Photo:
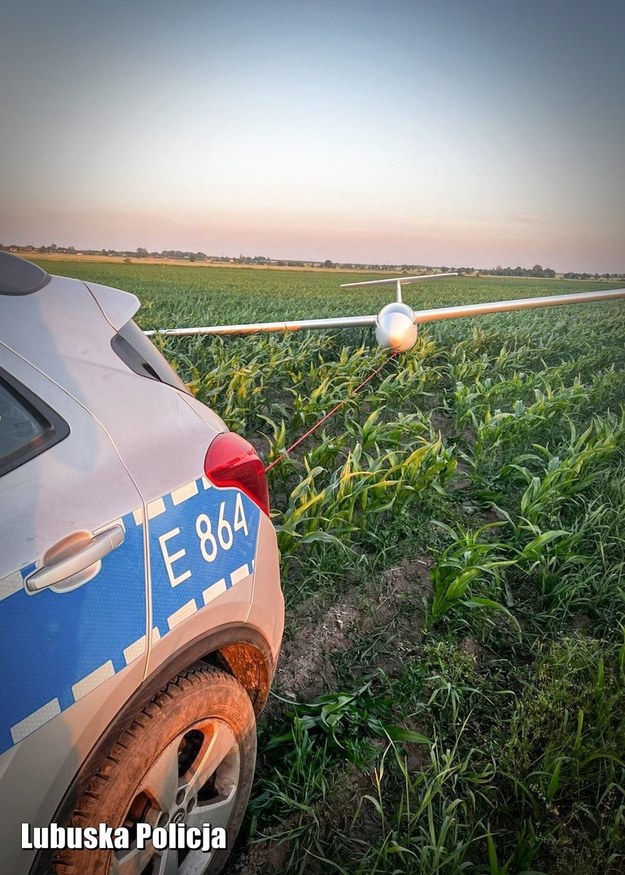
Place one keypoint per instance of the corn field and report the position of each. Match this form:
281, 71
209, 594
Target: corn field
451, 693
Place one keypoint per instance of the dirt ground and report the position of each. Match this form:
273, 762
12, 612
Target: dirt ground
319, 630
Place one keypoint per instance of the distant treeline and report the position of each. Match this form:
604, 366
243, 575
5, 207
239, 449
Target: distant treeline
593, 276
186, 255
546, 273
537, 271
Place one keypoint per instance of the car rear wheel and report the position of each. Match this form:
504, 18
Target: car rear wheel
187, 758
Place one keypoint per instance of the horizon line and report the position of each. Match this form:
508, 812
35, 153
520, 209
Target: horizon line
142, 253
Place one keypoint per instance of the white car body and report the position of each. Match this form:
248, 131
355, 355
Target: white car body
189, 569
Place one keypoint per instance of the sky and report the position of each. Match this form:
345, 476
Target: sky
441, 132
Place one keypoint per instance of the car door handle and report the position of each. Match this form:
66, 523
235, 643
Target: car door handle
101, 545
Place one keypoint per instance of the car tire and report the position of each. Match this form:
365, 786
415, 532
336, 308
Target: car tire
188, 757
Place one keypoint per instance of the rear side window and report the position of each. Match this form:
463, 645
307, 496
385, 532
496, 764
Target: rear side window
28, 426
142, 357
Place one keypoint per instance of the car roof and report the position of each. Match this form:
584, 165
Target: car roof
20, 277
60, 304
64, 325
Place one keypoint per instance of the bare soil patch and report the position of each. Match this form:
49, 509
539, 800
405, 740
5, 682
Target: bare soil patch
321, 630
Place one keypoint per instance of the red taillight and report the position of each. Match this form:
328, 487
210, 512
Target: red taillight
232, 461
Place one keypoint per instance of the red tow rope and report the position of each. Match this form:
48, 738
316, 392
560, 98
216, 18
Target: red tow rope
329, 414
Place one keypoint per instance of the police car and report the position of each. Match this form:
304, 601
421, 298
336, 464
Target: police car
140, 603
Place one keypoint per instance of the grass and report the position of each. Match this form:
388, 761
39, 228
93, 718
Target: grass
466, 516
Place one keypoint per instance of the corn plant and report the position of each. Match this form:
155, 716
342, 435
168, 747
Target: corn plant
468, 574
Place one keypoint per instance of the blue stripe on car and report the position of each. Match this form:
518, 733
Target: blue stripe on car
56, 647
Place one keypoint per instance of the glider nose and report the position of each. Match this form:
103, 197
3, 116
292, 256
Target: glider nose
395, 328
